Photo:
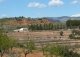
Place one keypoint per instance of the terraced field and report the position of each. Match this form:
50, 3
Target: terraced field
40, 35
44, 37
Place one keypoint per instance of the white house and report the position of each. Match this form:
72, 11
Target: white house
21, 30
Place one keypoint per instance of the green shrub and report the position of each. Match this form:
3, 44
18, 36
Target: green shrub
71, 36
61, 33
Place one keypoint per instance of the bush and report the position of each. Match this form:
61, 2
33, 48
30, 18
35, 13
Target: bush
61, 33
71, 36
76, 32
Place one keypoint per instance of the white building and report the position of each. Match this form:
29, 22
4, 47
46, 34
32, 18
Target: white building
21, 30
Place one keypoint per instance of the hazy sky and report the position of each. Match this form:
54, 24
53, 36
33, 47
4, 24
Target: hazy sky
39, 8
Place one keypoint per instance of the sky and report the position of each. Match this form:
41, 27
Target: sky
39, 8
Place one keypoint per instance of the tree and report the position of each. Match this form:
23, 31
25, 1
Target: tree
61, 33
25, 52
72, 23
13, 43
42, 47
30, 46
5, 43
24, 49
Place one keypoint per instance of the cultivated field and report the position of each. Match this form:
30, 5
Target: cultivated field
43, 36
40, 35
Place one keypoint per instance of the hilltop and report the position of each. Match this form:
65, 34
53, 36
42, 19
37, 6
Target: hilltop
10, 24
45, 20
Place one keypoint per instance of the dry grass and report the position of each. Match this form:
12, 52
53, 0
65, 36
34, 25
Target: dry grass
38, 35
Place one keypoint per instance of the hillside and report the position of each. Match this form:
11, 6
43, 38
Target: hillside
24, 21
44, 20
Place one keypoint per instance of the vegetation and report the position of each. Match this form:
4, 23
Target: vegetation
48, 49
31, 46
28, 47
71, 36
58, 50
50, 26
61, 33
5, 43
73, 23
74, 34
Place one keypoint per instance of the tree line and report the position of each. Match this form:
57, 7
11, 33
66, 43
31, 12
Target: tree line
73, 23
50, 26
